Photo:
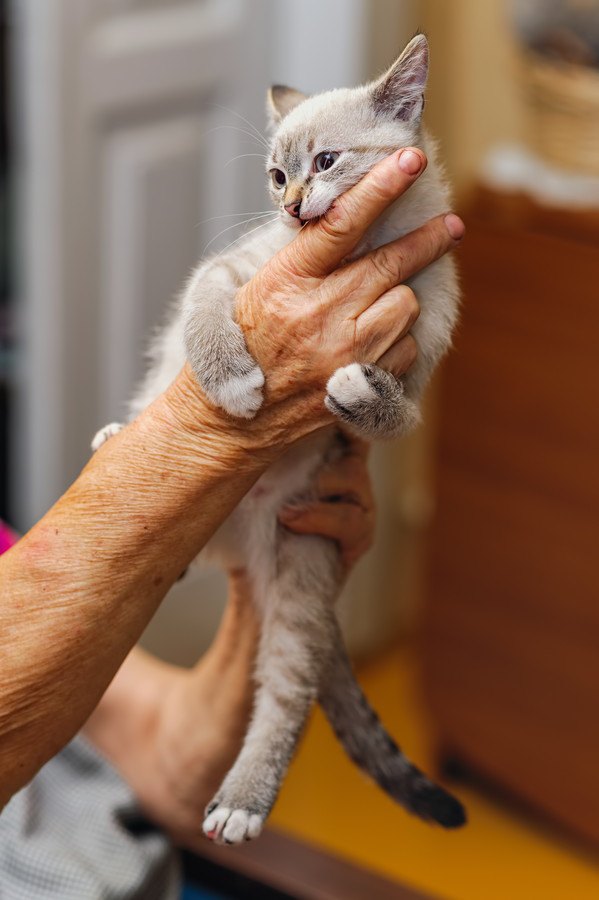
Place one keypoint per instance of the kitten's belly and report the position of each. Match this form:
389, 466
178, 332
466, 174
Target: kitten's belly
252, 525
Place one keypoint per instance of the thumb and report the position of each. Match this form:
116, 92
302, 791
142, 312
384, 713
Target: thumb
321, 246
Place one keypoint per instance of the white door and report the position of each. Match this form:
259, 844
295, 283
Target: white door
117, 99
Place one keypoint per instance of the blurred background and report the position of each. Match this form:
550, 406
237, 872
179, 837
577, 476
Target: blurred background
129, 144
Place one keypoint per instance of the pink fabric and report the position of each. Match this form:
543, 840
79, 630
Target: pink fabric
7, 538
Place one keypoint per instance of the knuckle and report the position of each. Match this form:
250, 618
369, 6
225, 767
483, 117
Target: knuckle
437, 239
287, 269
409, 301
337, 221
385, 264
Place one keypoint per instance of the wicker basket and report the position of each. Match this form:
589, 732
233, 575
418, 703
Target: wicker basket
564, 113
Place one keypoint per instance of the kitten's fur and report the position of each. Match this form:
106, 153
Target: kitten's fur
296, 579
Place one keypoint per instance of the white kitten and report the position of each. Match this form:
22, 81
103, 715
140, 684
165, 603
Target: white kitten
321, 146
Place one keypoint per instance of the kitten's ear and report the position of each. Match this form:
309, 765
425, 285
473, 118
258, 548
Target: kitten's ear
400, 92
280, 100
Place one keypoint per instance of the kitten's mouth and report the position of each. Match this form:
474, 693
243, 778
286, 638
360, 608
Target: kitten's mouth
298, 223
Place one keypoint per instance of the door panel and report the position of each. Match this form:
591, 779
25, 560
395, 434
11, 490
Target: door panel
154, 176
117, 101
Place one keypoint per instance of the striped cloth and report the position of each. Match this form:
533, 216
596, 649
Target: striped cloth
76, 833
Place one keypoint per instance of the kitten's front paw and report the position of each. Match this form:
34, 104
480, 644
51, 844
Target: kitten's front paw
227, 373
225, 825
371, 401
241, 395
349, 386
104, 433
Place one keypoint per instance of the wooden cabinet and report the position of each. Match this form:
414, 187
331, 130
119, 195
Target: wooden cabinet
511, 623
279, 867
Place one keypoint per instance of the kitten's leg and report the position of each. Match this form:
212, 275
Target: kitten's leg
215, 346
103, 434
369, 745
371, 401
296, 637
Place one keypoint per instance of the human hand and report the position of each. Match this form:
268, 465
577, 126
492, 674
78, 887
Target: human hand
344, 510
307, 313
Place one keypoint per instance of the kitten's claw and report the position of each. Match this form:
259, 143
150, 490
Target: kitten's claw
240, 396
231, 826
104, 433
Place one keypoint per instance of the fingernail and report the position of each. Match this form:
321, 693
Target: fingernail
410, 162
455, 226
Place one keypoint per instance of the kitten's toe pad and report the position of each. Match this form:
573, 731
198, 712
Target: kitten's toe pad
371, 401
350, 385
104, 433
240, 396
232, 826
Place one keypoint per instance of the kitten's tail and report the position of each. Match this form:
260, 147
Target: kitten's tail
368, 744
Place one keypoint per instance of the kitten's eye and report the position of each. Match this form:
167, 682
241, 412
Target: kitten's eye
279, 179
325, 160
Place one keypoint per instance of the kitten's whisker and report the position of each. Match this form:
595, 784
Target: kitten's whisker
233, 215
244, 156
234, 225
247, 122
237, 225
241, 130
246, 234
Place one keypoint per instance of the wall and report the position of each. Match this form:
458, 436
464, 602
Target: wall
473, 98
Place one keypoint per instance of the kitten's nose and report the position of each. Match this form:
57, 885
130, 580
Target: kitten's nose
294, 208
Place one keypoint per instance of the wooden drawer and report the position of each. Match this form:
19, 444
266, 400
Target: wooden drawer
511, 622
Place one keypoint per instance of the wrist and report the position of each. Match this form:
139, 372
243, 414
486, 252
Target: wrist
192, 427
249, 445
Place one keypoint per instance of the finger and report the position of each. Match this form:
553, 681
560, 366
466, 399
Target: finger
323, 245
346, 480
386, 322
400, 357
366, 279
345, 523
356, 446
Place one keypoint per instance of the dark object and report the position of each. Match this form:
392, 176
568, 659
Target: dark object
6, 312
511, 624
277, 867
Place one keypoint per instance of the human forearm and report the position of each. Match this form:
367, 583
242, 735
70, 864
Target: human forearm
83, 583
172, 733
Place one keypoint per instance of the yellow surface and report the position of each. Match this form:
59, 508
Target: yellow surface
500, 855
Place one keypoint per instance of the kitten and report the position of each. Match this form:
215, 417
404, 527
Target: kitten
321, 146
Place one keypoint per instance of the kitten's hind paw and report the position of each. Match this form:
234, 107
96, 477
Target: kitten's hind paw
231, 826
104, 433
